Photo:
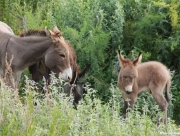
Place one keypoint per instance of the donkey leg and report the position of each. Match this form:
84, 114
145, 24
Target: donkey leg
161, 101
129, 101
17, 79
125, 108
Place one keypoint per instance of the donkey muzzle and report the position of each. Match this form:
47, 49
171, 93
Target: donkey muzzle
66, 74
128, 89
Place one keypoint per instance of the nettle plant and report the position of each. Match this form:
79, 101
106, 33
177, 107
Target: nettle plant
53, 114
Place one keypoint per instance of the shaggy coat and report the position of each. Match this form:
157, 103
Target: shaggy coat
152, 77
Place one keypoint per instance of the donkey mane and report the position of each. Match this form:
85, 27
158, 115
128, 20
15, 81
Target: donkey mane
32, 32
73, 60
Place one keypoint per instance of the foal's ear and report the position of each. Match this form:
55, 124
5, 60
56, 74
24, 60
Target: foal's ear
56, 31
51, 34
138, 59
122, 60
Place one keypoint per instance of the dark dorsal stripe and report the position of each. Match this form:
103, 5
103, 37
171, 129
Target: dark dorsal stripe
32, 32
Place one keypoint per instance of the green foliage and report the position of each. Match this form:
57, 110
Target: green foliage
176, 98
96, 28
54, 115
11, 13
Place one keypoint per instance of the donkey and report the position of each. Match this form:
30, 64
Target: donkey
76, 88
45, 44
135, 78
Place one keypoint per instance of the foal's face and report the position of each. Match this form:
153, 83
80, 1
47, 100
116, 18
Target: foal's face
127, 77
57, 57
128, 73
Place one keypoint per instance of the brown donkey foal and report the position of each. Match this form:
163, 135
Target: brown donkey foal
151, 76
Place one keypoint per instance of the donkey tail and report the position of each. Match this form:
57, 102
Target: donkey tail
167, 93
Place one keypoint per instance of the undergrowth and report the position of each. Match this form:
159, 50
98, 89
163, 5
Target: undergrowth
53, 115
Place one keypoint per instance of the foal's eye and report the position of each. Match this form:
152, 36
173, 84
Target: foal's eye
62, 55
125, 77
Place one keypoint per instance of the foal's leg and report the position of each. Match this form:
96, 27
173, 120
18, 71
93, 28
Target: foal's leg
129, 101
161, 101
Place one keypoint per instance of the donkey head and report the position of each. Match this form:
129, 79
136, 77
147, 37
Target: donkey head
57, 57
128, 73
77, 88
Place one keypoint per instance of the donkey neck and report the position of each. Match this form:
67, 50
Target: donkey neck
28, 50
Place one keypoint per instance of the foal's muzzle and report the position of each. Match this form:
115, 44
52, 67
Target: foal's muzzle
128, 89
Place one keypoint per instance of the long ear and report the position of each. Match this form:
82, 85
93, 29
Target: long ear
82, 74
138, 59
122, 60
52, 35
56, 31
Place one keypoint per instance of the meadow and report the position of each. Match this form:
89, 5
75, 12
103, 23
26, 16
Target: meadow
34, 114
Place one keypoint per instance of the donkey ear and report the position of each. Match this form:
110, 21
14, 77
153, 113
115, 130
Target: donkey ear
138, 59
51, 34
48, 33
56, 31
122, 60
84, 71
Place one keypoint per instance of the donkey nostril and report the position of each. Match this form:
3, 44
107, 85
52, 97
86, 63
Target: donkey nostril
69, 78
128, 92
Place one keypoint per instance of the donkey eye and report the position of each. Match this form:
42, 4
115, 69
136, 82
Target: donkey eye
62, 55
125, 77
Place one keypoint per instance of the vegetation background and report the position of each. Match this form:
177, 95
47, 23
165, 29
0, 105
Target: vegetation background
96, 28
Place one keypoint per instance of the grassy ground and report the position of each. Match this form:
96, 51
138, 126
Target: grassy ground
54, 115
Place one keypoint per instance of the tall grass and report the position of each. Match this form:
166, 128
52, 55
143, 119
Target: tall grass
53, 115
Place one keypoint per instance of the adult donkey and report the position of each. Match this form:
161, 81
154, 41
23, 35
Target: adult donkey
135, 78
44, 44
